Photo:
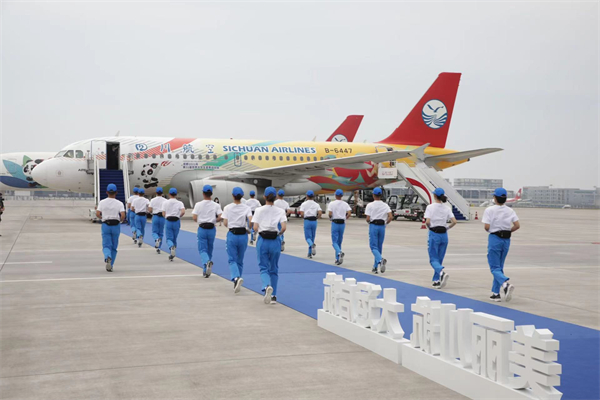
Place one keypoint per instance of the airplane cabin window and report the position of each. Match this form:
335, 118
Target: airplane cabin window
294, 158
252, 157
176, 155
267, 158
69, 154
260, 157
288, 158
280, 158
185, 156
162, 156
192, 156
245, 157
207, 157
137, 155
314, 158
153, 155
301, 158
169, 156
145, 155
214, 156
78, 154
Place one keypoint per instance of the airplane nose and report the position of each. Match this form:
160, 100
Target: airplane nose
40, 173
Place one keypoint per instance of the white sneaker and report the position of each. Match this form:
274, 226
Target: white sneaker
313, 250
443, 279
108, 264
341, 258
140, 241
268, 293
506, 292
208, 269
382, 265
173, 251
237, 284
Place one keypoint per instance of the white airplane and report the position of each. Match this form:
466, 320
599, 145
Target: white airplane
16, 169
297, 166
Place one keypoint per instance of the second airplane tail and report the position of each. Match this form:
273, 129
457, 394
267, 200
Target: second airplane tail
347, 129
429, 120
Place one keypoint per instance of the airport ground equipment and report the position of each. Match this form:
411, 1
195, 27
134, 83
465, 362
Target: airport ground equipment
410, 206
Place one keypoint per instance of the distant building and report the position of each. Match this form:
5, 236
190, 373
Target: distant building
473, 183
476, 197
547, 196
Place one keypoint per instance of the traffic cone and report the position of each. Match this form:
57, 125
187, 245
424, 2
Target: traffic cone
476, 217
423, 226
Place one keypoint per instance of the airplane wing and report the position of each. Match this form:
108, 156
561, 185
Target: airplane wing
290, 172
458, 156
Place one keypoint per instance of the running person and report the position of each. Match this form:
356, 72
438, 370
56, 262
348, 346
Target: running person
140, 208
339, 212
253, 204
112, 212
158, 221
378, 216
285, 206
173, 211
266, 220
500, 221
131, 214
311, 212
207, 213
437, 216
236, 217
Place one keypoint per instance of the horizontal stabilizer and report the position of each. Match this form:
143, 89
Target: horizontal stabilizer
458, 156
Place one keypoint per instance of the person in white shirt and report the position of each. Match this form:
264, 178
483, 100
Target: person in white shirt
236, 217
207, 213
500, 221
437, 215
266, 221
378, 216
140, 208
131, 214
253, 204
311, 212
112, 212
285, 206
158, 221
173, 211
339, 212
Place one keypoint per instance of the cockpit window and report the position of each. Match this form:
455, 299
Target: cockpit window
69, 154
78, 154
60, 154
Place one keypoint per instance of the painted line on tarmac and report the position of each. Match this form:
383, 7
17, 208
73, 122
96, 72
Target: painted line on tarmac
28, 262
95, 278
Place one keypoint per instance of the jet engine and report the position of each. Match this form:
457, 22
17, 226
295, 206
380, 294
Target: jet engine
221, 190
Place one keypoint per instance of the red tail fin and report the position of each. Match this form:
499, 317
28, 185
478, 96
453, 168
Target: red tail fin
347, 130
518, 196
429, 121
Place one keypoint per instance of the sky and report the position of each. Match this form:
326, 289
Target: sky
290, 71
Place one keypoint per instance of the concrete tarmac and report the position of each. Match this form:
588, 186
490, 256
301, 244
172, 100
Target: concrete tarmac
158, 330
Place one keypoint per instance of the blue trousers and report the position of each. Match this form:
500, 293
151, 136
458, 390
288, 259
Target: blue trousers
376, 237
282, 236
268, 252
110, 241
206, 241
310, 232
140, 224
436, 246
337, 236
131, 219
158, 227
171, 232
497, 252
236, 248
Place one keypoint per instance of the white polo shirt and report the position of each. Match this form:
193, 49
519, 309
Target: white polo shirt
236, 215
172, 208
439, 214
207, 211
310, 208
130, 199
500, 218
157, 204
140, 204
253, 204
268, 218
110, 209
338, 209
377, 210
280, 203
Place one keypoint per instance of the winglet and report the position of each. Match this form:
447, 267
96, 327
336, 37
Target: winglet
347, 130
419, 152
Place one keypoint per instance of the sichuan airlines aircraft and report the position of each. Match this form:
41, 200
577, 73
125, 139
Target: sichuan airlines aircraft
297, 166
16, 170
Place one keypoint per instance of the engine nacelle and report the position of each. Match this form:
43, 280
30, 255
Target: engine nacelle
221, 190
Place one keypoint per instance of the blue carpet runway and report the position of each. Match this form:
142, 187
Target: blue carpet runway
301, 288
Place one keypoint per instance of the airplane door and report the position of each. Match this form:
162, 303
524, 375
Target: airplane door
98, 150
113, 155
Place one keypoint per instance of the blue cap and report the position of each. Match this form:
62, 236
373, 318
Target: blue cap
111, 187
173, 191
252, 193
377, 191
237, 191
135, 189
310, 193
270, 190
207, 189
281, 192
141, 191
500, 192
439, 192
159, 190
339, 192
